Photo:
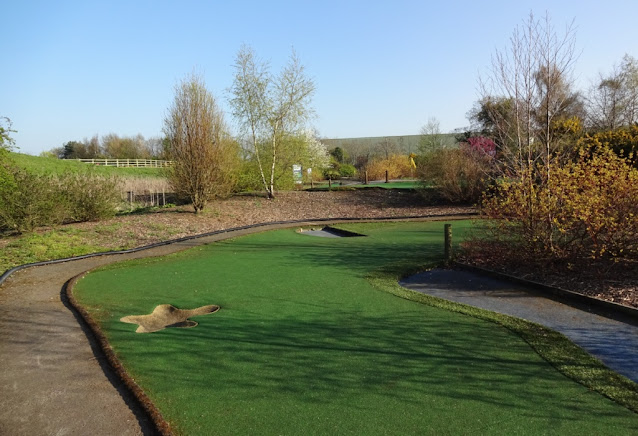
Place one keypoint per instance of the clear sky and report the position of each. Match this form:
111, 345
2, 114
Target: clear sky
73, 69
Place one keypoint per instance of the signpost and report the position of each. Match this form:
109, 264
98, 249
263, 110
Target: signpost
297, 175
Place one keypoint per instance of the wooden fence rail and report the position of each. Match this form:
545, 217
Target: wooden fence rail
138, 163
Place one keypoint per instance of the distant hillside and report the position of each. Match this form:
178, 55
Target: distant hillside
51, 165
379, 145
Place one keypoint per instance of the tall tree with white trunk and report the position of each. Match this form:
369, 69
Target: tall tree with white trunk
269, 108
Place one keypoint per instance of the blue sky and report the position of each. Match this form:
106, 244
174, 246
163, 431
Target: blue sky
73, 69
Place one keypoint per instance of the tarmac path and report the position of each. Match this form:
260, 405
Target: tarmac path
613, 342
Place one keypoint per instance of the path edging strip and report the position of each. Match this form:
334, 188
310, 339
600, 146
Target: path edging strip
161, 426
601, 307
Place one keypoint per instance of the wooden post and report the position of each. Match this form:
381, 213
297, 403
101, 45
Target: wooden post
448, 243
386, 176
329, 183
366, 177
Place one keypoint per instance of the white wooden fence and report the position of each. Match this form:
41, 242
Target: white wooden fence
138, 163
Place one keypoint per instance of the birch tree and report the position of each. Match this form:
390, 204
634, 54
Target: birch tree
534, 76
269, 108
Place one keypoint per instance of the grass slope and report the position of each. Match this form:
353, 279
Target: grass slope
47, 165
308, 342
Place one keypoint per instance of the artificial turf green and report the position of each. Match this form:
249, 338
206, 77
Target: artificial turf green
306, 343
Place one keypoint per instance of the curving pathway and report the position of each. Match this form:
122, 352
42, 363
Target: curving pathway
613, 342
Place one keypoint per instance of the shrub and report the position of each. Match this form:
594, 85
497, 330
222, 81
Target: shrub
89, 197
457, 175
347, 170
623, 141
28, 200
398, 167
587, 209
481, 144
331, 173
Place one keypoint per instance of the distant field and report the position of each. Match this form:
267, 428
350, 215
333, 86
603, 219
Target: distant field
45, 165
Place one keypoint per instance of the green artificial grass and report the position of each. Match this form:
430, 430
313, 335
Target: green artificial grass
336, 185
311, 340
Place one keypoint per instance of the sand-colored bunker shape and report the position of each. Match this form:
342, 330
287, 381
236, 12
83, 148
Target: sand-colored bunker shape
167, 315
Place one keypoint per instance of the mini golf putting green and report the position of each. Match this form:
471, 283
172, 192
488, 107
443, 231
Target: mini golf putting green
310, 340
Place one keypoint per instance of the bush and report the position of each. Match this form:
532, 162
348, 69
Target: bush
331, 173
28, 200
457, 175
89, 197
623, 141
347, 170
587, 209
398, 167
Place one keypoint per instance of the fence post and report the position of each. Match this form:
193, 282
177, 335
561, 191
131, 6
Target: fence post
448, 243
386, 176
366, 177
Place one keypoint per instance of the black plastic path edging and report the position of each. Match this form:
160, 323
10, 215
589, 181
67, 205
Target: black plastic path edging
604, 308
8, 272
155, 418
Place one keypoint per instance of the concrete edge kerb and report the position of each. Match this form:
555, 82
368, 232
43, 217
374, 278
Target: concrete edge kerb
8, 272
596, 305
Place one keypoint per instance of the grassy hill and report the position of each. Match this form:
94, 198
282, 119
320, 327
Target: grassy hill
48, 165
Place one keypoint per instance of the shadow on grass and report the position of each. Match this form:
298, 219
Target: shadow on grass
321, 349
362, 362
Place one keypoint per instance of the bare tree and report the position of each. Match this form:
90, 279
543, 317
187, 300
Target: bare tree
431, 138
613, 101
197, 140
533, 77
124, 147
386, 147
154, 146
269, 108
